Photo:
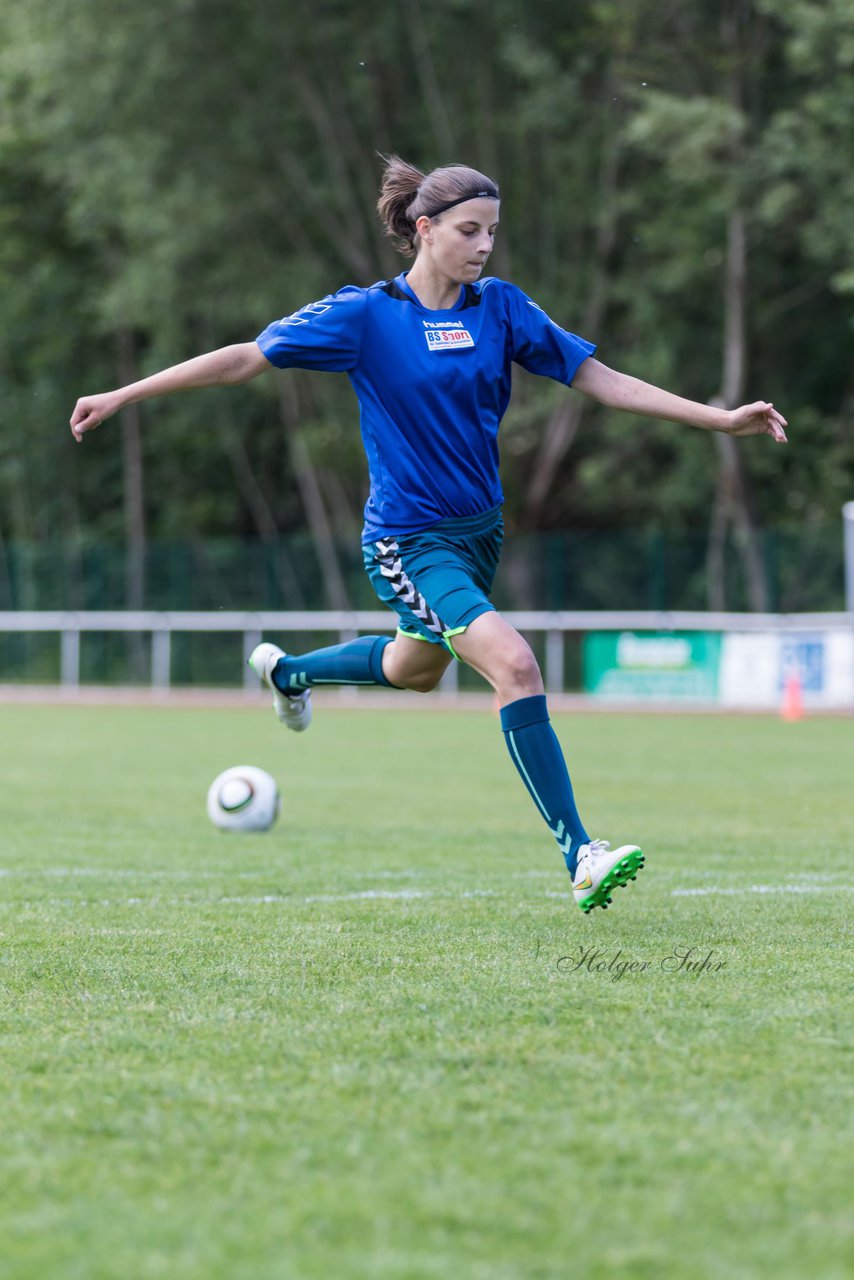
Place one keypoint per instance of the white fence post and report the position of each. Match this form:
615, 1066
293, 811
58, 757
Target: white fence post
251, 640
450, 681
161, 659
848, 527
348, 631
69, 660
554, 661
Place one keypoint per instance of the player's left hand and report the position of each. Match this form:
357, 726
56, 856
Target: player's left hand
759, 419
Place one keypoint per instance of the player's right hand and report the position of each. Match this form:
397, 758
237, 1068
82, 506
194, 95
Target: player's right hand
91, 411
759, 418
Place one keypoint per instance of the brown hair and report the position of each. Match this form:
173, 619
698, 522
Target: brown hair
406, 194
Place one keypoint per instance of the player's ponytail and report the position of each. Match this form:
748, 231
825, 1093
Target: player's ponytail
406, 194
398, 192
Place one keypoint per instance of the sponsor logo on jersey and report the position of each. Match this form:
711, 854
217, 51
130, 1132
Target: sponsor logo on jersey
448, 339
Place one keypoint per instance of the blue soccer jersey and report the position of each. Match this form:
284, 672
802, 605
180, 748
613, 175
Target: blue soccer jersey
432, 387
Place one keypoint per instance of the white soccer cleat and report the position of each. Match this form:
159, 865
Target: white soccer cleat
294, 710
602, 869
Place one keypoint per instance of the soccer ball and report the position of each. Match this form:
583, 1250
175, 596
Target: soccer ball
244, 798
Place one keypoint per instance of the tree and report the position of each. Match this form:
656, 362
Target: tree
663, 167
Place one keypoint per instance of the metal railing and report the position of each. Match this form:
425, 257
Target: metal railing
555, 626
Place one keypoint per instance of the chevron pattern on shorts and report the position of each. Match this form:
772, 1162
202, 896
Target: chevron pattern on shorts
387, 556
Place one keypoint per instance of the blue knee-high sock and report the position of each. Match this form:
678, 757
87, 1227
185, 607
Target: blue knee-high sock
355, 662
537, 755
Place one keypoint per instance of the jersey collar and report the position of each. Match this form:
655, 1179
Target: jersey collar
469, 297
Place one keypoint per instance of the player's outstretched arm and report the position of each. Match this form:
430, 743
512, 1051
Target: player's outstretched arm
620, 391
225, 367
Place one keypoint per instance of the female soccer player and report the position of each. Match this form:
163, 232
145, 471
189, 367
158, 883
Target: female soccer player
429, 355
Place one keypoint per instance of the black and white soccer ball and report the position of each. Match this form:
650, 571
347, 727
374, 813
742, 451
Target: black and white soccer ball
244, 798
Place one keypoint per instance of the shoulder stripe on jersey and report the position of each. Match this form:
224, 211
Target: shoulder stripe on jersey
394, 291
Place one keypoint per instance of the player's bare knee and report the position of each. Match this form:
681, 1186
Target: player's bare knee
423, 682
520, 671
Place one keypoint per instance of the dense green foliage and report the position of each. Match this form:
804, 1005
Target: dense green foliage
344, 1050
174, 175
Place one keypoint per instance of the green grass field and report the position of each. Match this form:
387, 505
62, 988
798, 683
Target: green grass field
362, 1046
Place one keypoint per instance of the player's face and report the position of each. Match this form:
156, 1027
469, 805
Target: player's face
461, 240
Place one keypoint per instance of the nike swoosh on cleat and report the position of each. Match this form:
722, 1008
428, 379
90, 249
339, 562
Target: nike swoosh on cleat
583, 884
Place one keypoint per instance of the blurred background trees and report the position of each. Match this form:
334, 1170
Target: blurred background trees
677, 183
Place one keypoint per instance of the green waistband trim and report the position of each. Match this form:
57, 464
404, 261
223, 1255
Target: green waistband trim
447, 636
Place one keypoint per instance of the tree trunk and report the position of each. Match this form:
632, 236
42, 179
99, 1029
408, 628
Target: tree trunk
253, 495
134, 501
334, 137
435, 102
6, 601
732, 505
563, 424
312, 498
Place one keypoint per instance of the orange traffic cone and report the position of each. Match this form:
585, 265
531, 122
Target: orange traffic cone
792, 706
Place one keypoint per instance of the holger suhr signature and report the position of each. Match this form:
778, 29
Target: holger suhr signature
683, 960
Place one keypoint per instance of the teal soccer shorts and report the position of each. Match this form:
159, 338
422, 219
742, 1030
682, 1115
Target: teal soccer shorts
438, 581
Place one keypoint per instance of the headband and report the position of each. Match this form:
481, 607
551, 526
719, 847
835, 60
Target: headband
471, 195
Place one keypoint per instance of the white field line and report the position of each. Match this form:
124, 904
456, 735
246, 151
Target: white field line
819, 884
402, 895
722, 891
394, 894
126, 873
171, 873
396, 873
